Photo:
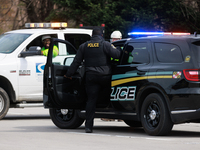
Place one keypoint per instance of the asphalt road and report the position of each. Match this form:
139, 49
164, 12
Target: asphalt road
32, 129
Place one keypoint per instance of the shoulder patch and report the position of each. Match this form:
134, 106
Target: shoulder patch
113, 46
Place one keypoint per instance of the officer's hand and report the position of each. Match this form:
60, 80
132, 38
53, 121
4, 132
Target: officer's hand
68, 77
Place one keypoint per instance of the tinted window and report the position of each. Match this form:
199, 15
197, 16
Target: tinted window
77, 39
168, 53
136, 53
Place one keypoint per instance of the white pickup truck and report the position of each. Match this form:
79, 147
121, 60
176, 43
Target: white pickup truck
22, 65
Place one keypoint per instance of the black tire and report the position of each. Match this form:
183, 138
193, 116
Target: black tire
132, 123
4, 103
155, 116
66, 120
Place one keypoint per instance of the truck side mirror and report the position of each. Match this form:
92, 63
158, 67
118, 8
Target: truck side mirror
33, 50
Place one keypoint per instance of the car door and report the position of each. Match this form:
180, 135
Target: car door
131, 74
30, 77
61, 92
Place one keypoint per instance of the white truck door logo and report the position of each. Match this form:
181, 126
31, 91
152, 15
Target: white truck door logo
40, 67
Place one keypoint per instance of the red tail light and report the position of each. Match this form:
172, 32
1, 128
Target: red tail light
191, 74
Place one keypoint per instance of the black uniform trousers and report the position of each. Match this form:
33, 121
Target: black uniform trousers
94, 84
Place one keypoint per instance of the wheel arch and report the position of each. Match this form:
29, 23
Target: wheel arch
7, 86
145, 91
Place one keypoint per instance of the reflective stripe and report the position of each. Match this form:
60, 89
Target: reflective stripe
114, 59
122, 81
120, 76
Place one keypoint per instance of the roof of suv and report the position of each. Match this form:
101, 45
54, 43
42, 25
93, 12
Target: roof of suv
165, 37
171, 37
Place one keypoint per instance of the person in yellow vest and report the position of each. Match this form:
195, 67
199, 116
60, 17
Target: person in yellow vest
46, 39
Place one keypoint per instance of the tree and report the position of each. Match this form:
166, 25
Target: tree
128, 15
37, 10
6, 12
15, 13
190, 10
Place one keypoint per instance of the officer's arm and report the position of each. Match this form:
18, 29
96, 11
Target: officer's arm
112, 51
76, 62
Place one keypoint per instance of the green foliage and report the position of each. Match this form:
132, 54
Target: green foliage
128, 15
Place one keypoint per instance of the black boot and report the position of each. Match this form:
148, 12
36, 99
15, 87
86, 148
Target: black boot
88, 130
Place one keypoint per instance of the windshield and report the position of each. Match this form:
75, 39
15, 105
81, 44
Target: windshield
9, 42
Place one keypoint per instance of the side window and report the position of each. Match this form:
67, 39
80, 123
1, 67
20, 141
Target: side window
168, 53
77, 39
38, 41
136, 53
64, 50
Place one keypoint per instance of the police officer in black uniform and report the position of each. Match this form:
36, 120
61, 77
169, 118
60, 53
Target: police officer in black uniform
97, 55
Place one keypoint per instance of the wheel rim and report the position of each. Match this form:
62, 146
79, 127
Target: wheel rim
64, 114
153, 115
1, 103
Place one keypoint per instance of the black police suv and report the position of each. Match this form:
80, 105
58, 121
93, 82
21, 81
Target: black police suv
155, 85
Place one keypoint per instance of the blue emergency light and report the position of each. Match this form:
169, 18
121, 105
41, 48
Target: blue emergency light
156, 33
146, 33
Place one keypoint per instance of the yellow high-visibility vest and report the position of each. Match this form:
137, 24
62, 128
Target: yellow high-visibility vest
45, 51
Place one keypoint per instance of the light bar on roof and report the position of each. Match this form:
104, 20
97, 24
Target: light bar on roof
146, 33
176, 33
55, 25
46, 25
157, 33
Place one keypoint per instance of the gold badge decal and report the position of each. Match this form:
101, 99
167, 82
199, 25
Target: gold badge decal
187, 58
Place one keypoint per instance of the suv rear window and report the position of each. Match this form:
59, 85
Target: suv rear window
168, 53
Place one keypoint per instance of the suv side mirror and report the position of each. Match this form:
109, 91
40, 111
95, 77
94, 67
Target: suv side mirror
33, 50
